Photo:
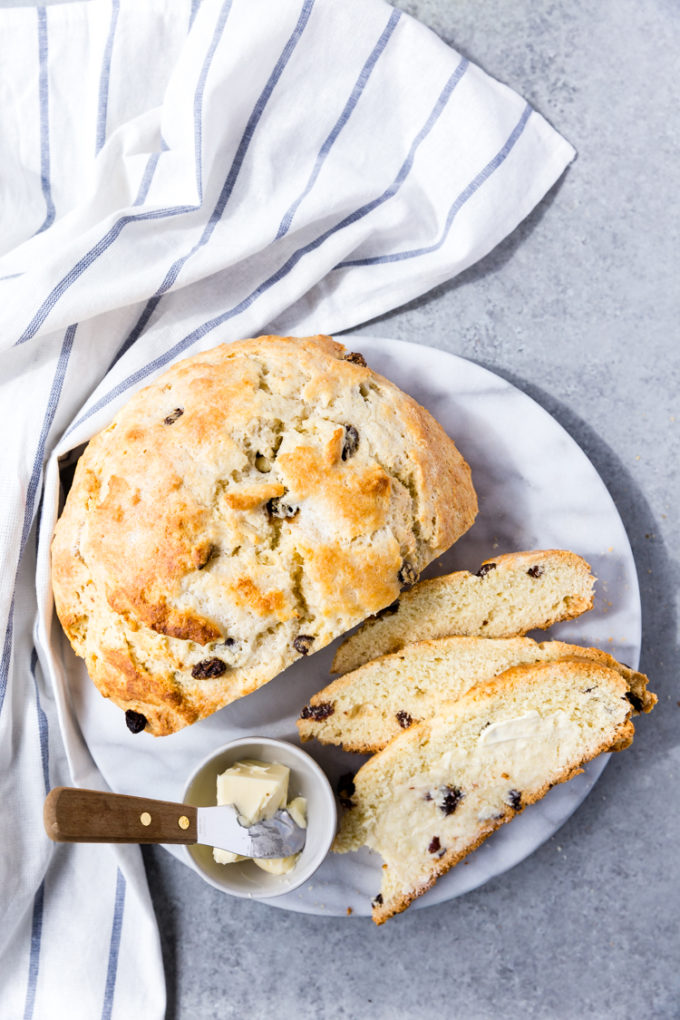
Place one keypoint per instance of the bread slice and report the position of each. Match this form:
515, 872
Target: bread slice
438, 790
363, 710
508, 596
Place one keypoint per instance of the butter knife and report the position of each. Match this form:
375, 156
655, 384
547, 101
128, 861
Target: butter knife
72, 815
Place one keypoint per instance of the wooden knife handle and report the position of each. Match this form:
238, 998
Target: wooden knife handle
92, 816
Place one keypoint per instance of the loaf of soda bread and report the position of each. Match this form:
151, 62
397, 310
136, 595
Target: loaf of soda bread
442, 787
365, 709
253, 503
508, 596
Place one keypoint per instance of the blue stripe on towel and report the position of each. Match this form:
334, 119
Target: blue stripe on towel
86, 261
114, 947
137, 329
217, 213
356, 93
195, 4
109, 238
43, 98
198, 96
147, 176
32, 490
34, 956
48, 418
183, 345
42, 726
103, 103
7, 648
38, 901
460, 201
243, 146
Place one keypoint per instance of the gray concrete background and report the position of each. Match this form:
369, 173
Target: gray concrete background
579, 308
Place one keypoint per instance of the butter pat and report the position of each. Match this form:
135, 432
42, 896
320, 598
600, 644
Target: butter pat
297, 809
526, 729
258, 790
522, 727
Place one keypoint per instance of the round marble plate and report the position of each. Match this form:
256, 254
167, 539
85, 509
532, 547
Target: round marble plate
536, 489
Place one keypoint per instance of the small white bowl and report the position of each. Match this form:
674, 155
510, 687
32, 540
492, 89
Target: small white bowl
307, 780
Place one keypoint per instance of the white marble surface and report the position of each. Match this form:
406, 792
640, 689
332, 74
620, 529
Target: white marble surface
537, 490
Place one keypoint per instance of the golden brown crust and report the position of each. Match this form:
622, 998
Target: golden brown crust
382, 913
490, 603
339, 728
587, 697
259, 491
622, 739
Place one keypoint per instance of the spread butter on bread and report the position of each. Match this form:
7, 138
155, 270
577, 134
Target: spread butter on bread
365, 709
441, 788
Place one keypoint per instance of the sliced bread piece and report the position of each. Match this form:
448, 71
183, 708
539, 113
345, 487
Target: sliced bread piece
365, 709
438, 790
508, 596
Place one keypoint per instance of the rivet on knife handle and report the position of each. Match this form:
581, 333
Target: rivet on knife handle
94, 816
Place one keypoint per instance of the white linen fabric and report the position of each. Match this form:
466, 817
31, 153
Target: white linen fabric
174, 175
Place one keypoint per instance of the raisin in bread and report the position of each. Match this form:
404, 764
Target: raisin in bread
365, 709
253, 503
438, 790
508, 596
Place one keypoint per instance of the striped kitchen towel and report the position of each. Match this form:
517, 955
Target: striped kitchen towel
174, 175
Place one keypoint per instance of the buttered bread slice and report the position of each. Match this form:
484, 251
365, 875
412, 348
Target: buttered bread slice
438, 790
508, 596
365, 709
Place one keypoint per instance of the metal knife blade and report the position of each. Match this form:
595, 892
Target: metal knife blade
278, 836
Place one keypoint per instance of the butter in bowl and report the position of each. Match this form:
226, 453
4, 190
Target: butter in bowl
257, 790
257, 819
261, 776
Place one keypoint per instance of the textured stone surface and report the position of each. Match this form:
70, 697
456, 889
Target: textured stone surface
580, 309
